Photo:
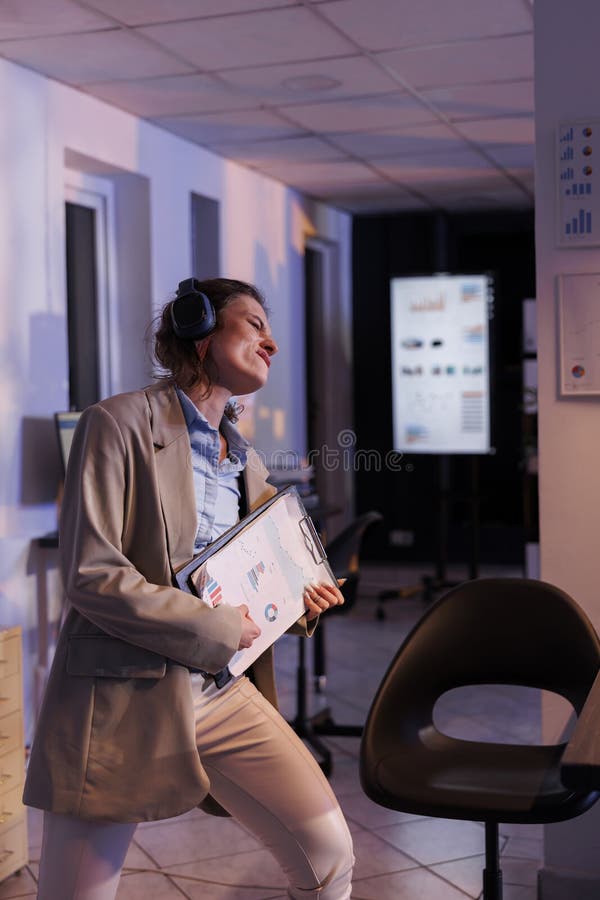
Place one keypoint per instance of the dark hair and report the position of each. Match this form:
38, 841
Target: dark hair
177, 358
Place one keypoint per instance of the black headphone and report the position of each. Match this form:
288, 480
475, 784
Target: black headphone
192, 314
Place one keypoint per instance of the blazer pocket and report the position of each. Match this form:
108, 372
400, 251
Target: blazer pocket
102, 656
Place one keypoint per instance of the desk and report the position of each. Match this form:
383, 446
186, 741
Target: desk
46, 548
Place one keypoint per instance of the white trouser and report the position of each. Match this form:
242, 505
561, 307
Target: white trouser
261, 772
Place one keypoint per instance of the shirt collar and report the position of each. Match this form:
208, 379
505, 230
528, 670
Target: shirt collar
238, 445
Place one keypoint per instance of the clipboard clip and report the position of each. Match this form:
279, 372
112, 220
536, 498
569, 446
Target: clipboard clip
312, 541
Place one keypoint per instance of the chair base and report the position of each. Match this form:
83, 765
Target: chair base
492, 874
323, 723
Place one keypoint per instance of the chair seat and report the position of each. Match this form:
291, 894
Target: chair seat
450, 778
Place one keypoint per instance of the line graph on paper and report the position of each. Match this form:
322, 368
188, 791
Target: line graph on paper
579, 317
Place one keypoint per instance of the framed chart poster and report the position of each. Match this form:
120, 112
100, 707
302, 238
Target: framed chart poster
579, 334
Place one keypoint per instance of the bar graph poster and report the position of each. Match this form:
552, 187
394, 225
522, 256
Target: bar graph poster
578, 145
440, 328
579, 320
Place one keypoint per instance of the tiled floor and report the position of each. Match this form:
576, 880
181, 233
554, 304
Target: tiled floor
399, 856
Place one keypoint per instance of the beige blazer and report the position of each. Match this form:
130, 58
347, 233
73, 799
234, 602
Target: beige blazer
115, 737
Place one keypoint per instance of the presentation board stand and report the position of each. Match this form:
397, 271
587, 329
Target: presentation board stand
434, 584
441, 396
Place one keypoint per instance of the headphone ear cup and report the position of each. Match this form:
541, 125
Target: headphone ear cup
192, 314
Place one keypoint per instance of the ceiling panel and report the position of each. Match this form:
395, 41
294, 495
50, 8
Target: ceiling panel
508, 129
360, 113
425, 138
322, 176
484, 100
30, 18
385, 25
388, 198
315, 80
472, 62
93, 56
220, 128
273, 36
512, 156
298, 149
145, 12
500, 193
459, 166
174, 95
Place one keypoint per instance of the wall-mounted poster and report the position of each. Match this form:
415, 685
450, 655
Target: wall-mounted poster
440, 327
579, 334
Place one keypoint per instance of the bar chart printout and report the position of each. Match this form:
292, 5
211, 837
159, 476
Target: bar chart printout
579, 315
577, 183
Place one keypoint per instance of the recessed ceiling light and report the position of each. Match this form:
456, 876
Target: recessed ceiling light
310, 83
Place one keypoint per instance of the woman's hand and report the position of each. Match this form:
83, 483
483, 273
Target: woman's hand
250, 630
319, 597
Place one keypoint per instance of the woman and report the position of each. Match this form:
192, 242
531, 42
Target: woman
130, 730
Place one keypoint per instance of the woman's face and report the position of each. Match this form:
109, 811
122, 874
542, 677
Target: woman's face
239, 352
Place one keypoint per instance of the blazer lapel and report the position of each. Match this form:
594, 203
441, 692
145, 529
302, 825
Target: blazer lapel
255, 482
174, 472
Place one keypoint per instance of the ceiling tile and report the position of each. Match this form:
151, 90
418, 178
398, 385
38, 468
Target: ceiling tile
483, 101
375, 198
405, 23
413, 139
293, 83
513, 156
473, 62
175, 95
146, 12
219, 128
474, 195
525, 177
508, 129
321, 176
299, 149
91, 57
419, 170
359, 113
267, 36
30, 18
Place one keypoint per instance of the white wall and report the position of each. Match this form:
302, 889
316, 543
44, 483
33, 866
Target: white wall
262, 240
567, 72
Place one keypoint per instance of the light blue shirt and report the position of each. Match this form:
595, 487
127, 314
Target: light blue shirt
215, 483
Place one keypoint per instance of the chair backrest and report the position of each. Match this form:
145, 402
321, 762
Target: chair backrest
343, 550
488, 631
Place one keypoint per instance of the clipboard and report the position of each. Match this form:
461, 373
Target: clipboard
265, 561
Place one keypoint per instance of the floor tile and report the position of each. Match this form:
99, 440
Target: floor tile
520, 829
137, 858
20, 885
375, 856
414, 884
360, 809
151, 886
254, 875
523, 872
193, 840
524, 848
431, 841
516, 892
466, 874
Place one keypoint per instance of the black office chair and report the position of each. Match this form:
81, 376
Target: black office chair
343, 555
489, 631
